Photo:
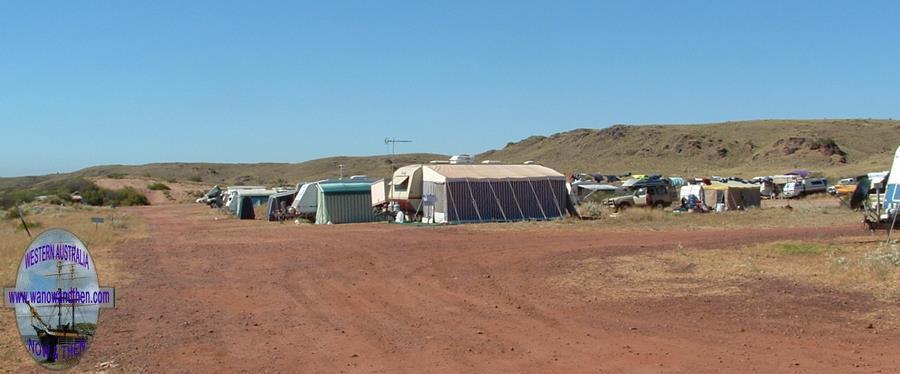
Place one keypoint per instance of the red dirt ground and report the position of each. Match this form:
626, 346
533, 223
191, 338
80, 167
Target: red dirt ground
248, 296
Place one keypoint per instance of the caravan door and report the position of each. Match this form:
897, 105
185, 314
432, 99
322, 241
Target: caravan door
892, 196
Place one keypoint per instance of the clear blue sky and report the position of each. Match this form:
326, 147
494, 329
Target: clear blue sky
87, 83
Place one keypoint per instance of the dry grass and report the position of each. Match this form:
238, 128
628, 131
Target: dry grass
117, 228
641, 219
843, 264
260, 211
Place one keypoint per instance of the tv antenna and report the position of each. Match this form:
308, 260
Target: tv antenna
392, 141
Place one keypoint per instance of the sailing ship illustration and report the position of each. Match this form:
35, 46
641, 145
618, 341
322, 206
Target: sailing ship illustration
66, 333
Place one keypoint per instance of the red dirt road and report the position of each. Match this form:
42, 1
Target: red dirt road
226, 295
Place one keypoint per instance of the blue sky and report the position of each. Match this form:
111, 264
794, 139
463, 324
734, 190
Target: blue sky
87, 83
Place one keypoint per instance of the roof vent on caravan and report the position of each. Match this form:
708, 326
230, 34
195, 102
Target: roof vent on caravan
439, 162
491, 162
359, 177
462, 159
529, 162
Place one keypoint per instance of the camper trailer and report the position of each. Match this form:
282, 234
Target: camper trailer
380, 190
462, 159
232, 191
406, 188
804, 187
306, 200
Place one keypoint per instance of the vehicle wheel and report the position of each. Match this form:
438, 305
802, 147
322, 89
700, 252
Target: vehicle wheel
622, 207
658, 205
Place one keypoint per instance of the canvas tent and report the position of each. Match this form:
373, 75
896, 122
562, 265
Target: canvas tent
492, 192
279, 201
245, 208
246, 200
344, 202
734, 195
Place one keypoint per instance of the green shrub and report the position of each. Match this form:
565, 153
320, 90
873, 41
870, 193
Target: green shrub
823, 142
591, 209
158, 187
195, 178
61, 190
31, 226
116, 175
125, 197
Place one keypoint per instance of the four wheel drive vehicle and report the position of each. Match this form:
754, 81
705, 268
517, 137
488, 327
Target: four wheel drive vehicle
656, 195
805, 187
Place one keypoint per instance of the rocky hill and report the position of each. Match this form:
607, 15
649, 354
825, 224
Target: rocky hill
749, 148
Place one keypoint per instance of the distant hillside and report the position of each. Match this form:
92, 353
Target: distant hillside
830, 147
230, 174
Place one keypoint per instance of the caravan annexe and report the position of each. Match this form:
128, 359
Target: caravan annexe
492, 193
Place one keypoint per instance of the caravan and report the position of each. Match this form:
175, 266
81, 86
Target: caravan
881, 213
805, 187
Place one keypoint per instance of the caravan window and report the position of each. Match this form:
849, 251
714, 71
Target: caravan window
401, 183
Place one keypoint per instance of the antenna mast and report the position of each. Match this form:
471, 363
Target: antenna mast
392, 142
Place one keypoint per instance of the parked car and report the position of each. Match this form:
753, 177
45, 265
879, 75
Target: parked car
804, 187
844, 187
656, 194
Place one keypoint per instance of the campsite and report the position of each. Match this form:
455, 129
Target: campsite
548, 296
450, 187
458, 265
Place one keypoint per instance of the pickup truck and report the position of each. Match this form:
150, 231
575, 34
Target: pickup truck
845, 187
655, 195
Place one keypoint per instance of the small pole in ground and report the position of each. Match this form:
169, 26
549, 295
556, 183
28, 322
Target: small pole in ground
22, 218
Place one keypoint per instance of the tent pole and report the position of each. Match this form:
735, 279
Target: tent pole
450, 194
555, 200
515, 198
497, 200
893, 222
474, 203
538, 200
